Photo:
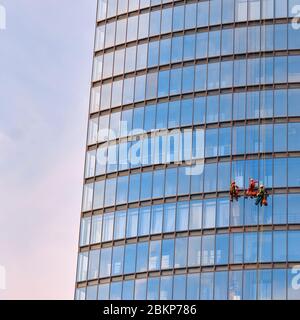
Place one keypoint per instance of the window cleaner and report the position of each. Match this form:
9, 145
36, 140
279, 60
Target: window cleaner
261, 196
251, 192
234, 191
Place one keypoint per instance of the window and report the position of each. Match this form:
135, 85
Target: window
208, 250
142, 257
96, 229
166, 285
120, 225
166, 20
156, 219
144, 221
85, 229
132, 28
132, 223
222, 213
193, 287
117, 260
143, 25
265, 246
293, 136
171, 182
235, 287
169, 217
154, 23
146, 185
207, 286
110, 192
178, 18
140, 289
221, 285
249, 285
153, 289
250, 247
105, 262
194, 252
195, 219
264, 285
91, 293
279, 246
154, 255
236, 248
103, 292
122, 190
115, 291
279, 284
108, 225
180, 252
210, 177
222, 249
167, 256
129, 260
179, 287
82, 266
209, 213
134, 188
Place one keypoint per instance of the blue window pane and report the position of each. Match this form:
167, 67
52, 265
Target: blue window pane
158, 183
209, 213
166, 20
200, 77
140, 289
179, 287
166, 285
280, 103
279, 246
280, 137
212, 109
154, 23
293, 102
239, 72
293, 284
280, 172
210, 177
208, 250
225, 112
236, 248
221, 285
153, 289
186, 112
93, 264
128, 289
280, 209
178, 18
194, 252
188, 79
250, 247
144, 221
174, 114
165, 51
294, 69
115, 291
264, 285
105, 262
129, 260
193, 287
195, 219
227, 41
213, 81
265, 246
167, 255
142, 257
252, 139
103, 292
91, 293
207, 286
180, 252
163, 83
293, 208
280, 70
238, 140
223, 176
222, 213
235, 287
177, 49
154, 255
182, 216
171, 182
120, 225
162, 116
132, 223
156, 219
134, 188
214, 43
169, 217
279, 284
117, 260
222, 249
175, 84
293, 246
215, 12
146, 185
293, 172
189, 47
122, 190
249, 284
293, 136
201, 45
226, 74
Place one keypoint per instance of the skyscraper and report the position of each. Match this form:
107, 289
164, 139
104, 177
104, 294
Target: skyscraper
186, 97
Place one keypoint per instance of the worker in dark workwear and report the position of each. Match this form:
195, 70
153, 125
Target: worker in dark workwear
251, 189
234, 191
261, 196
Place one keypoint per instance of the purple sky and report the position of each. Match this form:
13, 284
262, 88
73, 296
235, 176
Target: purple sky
45, 63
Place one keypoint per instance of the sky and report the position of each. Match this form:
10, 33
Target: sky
45, 72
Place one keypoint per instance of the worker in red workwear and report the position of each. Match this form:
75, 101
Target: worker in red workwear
251, 189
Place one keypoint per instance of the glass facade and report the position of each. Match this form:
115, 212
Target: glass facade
187, 96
